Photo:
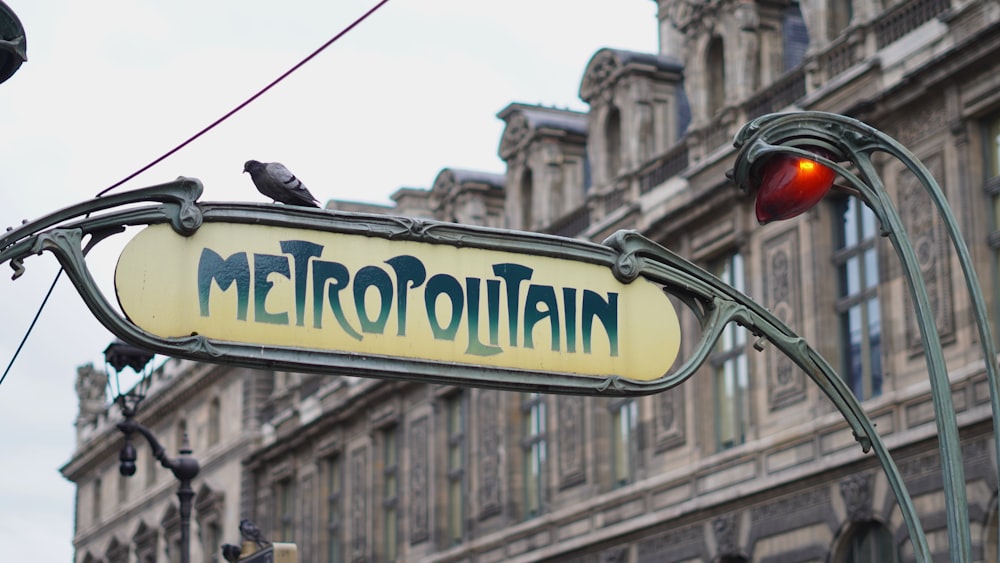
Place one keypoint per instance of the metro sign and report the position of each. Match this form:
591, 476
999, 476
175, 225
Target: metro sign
356, 294
327, 292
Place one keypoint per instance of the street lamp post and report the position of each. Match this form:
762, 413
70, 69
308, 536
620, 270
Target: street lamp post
120, 355
789, 162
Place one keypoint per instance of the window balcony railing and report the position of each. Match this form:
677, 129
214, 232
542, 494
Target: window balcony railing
572, 224
906, 17
842, 54
782, 93
664, 167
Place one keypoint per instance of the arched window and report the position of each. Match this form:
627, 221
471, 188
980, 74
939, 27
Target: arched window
716, 65
868, 542
613, 143
527, 193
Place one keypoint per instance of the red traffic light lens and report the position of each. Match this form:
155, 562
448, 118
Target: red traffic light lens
790, 185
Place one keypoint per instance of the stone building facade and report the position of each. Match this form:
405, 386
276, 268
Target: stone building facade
745, 462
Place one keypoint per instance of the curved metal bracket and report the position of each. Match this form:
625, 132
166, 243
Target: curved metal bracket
849, 141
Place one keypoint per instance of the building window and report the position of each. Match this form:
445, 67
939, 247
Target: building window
95, 513
624, 425
992, 174
390, 493
333, 494
715, 59
613, 143
284, 515
794, 36
151, 465
869, 542
857, 302
527, 194
992, 186
122, 489
729, 367
533, 447
839, 17
180, 434
456, 468
214, 421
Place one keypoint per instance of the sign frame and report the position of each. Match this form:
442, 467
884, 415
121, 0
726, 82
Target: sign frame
70, 233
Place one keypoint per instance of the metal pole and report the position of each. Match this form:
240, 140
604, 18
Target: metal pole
184, 467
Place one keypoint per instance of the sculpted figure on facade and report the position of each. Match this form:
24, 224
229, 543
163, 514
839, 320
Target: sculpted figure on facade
91, 392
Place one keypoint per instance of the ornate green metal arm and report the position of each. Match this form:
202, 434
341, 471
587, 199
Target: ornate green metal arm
848, 140
180, 211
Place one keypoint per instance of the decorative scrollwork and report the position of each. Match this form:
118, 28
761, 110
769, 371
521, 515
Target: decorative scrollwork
17, 264
188, 219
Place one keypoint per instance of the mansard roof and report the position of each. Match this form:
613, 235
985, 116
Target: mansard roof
525, 120
608, 64
447, 178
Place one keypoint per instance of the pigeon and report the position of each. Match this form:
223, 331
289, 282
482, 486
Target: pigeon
278, 183
251, 532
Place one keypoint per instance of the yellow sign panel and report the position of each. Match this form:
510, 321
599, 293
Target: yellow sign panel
346, 293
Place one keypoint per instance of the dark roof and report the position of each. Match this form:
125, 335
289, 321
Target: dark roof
607, 62
463, 176
543, 117
661, 62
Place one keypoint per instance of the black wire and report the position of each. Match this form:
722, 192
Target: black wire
31, 326
248, 100
213, 125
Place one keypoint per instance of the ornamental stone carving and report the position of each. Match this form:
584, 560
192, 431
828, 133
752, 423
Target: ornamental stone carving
358, 510
569, 412
419, 493
857, 493
786, 383
726, 535
489, 454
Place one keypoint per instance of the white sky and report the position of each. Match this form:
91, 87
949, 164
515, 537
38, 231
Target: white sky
112, 84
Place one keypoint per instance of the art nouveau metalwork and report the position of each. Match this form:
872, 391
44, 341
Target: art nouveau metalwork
836, 143
846, 146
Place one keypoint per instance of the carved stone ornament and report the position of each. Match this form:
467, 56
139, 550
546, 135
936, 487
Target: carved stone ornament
489, 454
684, 12
726, 535
601, 68
857, 492
90, 384
570, 415
359, 516
786, 382
419, 493
518, 129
